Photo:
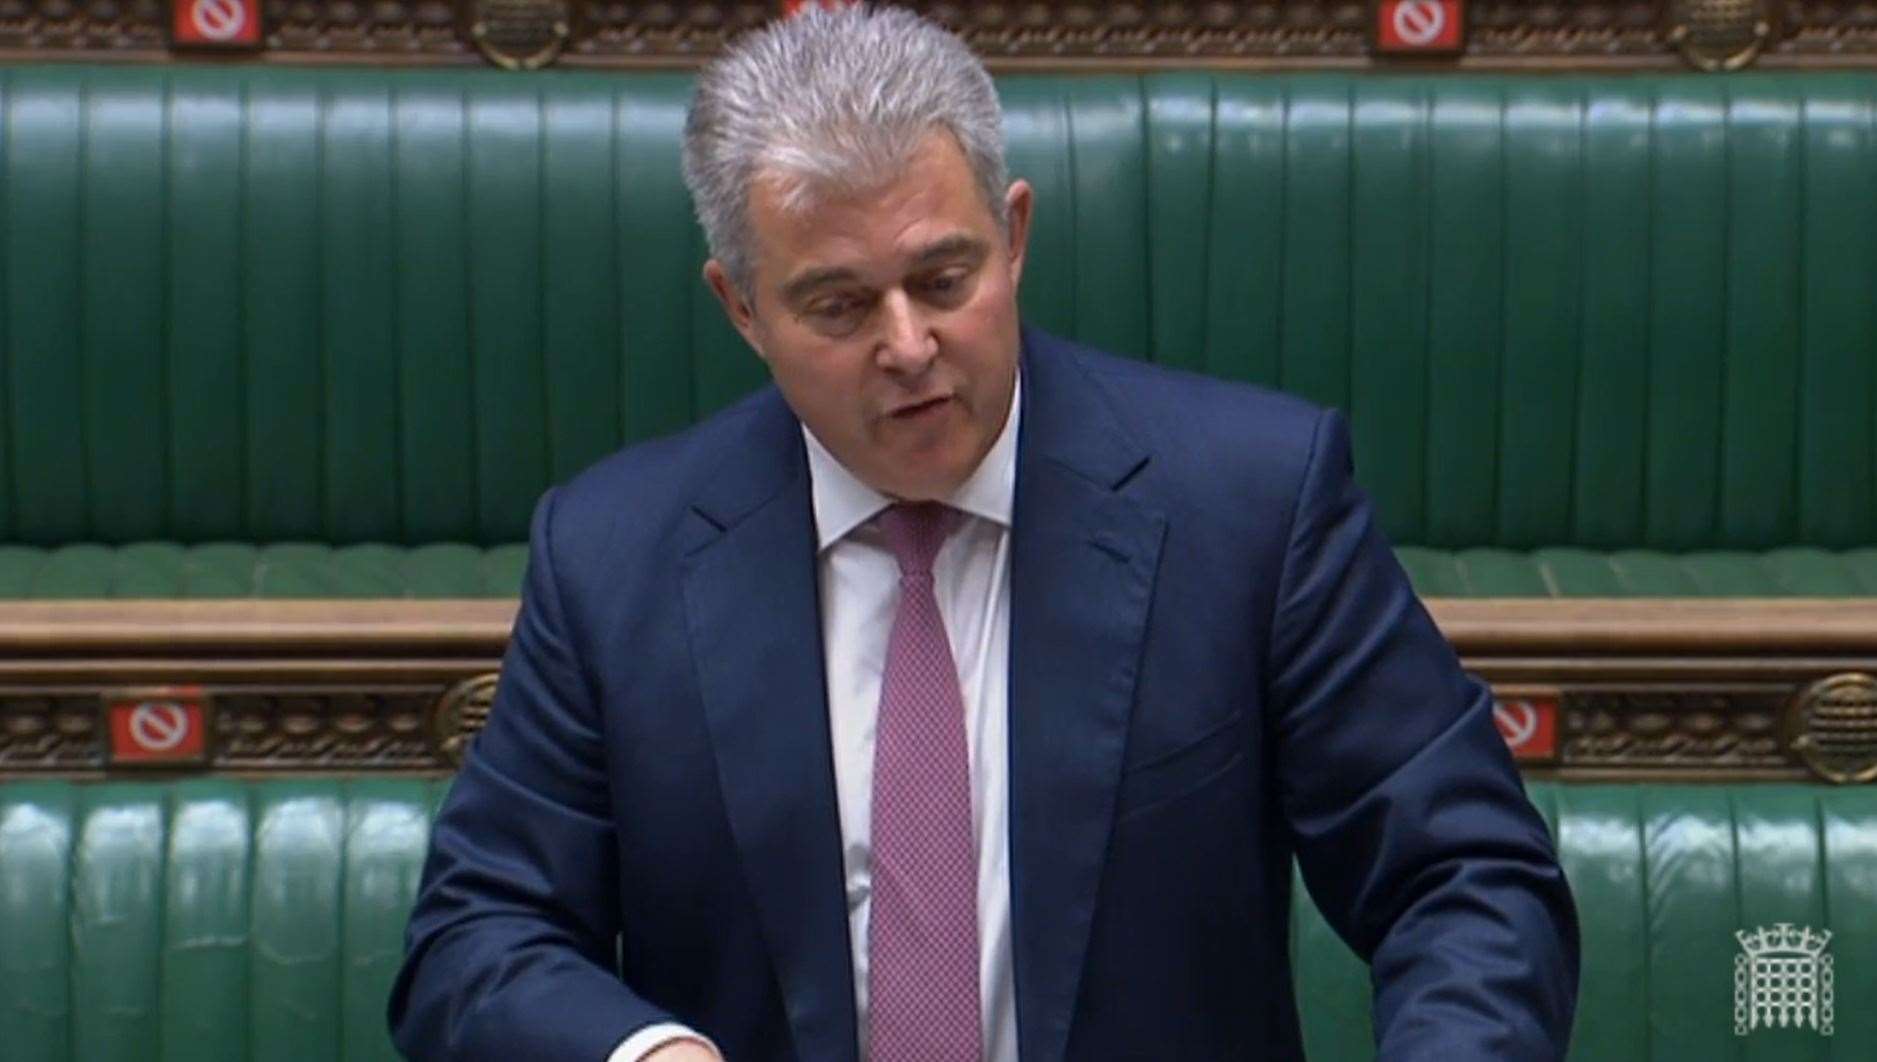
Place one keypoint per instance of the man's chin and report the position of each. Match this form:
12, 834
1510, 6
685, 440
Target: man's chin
922, 473
926, 486
919, 494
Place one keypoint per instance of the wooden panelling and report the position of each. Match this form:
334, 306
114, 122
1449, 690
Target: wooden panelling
1499, 34
1623, 688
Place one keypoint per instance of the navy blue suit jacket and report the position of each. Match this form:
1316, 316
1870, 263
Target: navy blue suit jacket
1215, 664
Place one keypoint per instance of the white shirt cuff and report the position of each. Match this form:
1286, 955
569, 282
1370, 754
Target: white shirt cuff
641, 1043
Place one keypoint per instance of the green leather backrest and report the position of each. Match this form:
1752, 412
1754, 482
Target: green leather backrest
203, 920
1663, 877
341, 305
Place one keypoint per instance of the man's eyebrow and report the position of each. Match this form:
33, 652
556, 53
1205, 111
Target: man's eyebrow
961, 245
814, 278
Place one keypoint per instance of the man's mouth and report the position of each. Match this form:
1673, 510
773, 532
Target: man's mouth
907, 412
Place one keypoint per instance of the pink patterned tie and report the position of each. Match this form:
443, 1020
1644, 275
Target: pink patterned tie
922, 939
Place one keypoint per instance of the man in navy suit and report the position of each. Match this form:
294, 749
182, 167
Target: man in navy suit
968, 693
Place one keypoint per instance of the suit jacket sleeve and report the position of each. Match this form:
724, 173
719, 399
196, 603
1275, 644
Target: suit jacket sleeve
1412, 827
509, 953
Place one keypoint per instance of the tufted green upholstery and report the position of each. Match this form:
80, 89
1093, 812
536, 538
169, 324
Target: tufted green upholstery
302, 570
205, 919
1587, 316
1663, 877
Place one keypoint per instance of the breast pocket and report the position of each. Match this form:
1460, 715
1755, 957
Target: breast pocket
1170, 775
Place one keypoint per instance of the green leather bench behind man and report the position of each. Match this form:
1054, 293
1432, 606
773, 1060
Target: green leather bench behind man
213, 919
329, 333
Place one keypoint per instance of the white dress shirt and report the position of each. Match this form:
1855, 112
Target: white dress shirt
859, 594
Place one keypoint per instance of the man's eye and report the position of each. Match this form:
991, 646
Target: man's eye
836, 315
945, 285
834, 309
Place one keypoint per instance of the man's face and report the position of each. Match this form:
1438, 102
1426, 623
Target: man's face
889, 319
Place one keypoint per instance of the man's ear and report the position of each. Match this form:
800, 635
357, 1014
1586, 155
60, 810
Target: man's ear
742, 316
1018, 202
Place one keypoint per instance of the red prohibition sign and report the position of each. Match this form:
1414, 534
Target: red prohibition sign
158, 726
1419, 22
218, 20
1517, 720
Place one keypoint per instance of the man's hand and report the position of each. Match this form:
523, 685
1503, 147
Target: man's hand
683, 1051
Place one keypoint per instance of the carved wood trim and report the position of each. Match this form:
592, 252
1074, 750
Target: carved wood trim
1259, 34
1667, 626
1634, 689
1496, 627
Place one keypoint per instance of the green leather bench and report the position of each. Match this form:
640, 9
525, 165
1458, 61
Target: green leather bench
328, 333
207, 920
297, 333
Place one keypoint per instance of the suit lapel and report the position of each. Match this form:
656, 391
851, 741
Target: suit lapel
752, 605
1083, 559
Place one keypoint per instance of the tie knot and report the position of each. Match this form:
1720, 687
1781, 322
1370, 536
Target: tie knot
915, 531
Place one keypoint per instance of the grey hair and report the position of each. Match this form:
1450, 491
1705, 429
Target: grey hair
832, 101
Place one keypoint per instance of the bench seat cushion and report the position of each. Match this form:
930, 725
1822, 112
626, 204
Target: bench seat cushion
376, 570
242, 570
1570, 572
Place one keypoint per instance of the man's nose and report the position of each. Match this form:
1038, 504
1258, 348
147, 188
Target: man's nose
906, 341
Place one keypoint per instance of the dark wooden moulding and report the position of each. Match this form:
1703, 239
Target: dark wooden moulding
1637, 690
1274, 34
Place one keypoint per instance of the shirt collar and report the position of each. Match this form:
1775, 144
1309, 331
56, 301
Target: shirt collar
842, 502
